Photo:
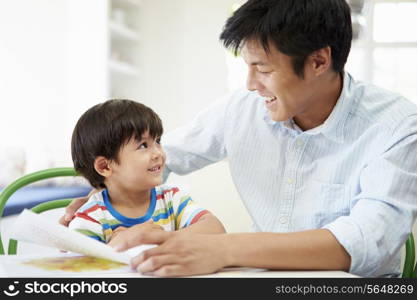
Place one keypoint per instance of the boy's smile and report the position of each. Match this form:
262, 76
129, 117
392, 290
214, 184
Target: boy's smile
155, 169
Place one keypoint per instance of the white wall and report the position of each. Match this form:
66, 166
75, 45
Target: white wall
86, 59
32, 73
53, 66
183, 62
184, 70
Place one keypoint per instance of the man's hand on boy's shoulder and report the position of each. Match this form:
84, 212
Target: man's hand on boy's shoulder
72, 208
125, 238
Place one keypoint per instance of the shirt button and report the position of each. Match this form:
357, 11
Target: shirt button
283, 220
290, 180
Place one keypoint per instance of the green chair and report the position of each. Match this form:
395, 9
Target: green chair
28, 179
410, 269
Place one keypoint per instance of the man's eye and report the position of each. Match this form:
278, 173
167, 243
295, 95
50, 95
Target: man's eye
143, 146
264, 72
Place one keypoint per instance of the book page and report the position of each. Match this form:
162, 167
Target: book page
60, 265
33, 228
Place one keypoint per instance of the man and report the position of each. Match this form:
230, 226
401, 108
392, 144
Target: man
323, 163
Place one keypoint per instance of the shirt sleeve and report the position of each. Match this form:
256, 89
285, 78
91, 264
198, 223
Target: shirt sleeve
186, 211
385, 209
199, 143
86, 221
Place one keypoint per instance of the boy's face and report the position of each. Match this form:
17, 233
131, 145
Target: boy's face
140, 164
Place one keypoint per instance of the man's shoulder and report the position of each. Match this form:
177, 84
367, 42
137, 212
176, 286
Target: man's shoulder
377, 105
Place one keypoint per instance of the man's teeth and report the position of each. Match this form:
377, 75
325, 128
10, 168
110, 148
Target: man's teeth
155, 169
269, 99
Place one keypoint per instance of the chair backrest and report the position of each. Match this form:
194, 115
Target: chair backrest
410, 269
28, 179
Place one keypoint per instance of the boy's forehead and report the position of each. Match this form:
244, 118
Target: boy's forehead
135, 138
145, 135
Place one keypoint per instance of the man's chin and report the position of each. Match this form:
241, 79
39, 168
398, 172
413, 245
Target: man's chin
277, 117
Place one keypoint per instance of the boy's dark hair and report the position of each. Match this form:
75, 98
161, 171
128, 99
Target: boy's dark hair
105, 128
295, 27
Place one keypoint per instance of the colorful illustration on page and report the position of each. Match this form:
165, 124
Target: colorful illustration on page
74, 264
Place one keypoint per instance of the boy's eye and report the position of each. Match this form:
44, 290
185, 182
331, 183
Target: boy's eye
143, 146
158, 140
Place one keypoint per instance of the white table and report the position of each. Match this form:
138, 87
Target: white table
13, 262
260, 273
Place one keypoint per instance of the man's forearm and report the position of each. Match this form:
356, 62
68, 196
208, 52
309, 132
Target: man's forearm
314, 250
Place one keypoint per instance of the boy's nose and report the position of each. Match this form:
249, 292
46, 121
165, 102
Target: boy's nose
156, 153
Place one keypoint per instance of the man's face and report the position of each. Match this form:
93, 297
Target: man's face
271, 74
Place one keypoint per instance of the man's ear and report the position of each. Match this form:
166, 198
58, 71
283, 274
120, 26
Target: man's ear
102, 166
320, 60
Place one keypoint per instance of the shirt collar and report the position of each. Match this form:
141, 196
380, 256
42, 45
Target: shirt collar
334, 126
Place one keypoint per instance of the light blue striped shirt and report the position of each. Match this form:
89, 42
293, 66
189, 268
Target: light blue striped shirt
356, 174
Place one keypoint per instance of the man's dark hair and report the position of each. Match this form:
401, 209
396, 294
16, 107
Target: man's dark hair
295, 27
105, 128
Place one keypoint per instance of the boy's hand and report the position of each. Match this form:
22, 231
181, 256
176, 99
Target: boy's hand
126, 238
71, 209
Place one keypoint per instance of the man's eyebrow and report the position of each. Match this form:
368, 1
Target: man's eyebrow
258, 63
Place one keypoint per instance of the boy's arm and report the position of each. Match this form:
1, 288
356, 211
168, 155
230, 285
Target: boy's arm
85, 224
191, 218
74, 206
207, 223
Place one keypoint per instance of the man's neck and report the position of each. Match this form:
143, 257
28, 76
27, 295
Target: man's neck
327, 92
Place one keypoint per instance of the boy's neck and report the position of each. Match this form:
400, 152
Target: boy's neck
129, 203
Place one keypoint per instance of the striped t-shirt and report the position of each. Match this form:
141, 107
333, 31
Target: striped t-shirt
169, 207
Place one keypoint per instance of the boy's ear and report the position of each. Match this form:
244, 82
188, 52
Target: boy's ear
102, 166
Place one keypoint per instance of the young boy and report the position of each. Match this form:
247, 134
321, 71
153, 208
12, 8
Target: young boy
116, 147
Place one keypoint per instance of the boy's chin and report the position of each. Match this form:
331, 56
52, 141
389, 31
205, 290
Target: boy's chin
158, 181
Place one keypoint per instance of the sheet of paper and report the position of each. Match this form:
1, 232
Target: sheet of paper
33, 228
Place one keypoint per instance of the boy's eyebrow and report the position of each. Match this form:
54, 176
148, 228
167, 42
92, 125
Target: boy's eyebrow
149, 137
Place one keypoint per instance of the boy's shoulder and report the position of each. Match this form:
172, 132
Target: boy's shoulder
169, 190
95, 202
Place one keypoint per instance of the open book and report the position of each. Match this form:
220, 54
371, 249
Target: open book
33, 228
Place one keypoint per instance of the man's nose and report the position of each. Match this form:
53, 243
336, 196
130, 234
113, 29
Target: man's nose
252, 84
